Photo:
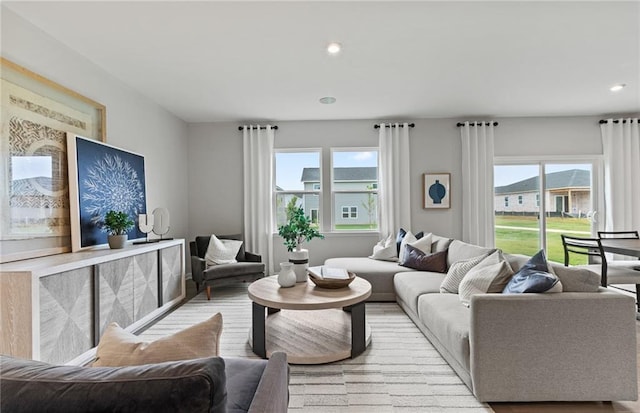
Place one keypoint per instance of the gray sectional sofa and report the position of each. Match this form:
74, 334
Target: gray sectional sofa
209, 385
569, 346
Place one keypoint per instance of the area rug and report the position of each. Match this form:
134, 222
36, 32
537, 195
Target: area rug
399, 372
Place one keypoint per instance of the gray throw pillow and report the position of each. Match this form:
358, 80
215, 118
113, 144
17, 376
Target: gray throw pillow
489, 276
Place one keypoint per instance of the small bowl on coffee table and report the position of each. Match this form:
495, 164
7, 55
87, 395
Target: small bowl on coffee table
332, 283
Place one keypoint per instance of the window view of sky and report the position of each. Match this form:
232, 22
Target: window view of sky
289, 165
509, 174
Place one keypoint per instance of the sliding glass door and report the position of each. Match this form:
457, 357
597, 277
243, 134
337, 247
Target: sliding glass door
536, 202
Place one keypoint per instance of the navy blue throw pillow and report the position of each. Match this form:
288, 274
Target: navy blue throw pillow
533, 277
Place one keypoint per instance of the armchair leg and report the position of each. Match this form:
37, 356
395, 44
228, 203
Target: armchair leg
208, 292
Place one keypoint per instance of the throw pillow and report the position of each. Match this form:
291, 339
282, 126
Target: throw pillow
385, 250
422, 261
222, 251
488, 276
118, 347
575, 279
400, 236
456, 273
423, 244
533, 277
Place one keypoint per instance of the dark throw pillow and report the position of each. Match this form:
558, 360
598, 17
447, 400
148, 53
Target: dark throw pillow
533, 277
421, 261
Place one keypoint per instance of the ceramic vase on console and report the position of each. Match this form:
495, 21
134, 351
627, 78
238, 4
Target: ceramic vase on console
117, 241
300, 260
286, 278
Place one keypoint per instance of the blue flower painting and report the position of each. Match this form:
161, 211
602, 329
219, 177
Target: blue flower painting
108, 179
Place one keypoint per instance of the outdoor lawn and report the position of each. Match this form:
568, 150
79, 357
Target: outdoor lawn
519, 235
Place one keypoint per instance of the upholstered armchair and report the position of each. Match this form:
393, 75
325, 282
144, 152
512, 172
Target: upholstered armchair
248, 268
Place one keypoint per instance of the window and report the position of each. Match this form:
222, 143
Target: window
519, 199
567, 190
298, 178
350, 212
354, 188
506, 201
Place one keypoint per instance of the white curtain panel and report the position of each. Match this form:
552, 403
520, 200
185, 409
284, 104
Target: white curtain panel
477, 183
621, 148
394, 189
258, 190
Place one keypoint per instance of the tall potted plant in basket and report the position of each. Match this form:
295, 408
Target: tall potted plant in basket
117, 223
297, 230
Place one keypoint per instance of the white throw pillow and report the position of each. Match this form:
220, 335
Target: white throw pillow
385, 250
222, 251
491, 275
456, 273
423, 244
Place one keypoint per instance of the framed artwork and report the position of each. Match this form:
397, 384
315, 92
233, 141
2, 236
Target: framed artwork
36, 114
102, 178
436, 189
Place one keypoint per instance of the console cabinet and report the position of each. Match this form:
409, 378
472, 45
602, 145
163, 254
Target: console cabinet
56, 308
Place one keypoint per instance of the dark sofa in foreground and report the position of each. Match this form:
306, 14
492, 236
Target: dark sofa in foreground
213, 384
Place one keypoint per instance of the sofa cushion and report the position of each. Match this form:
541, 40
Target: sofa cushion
532, 277
411, 285
243, 376
449, 321
421, 261
233, 270
459, 250
489, 276
184, 386
456, 273
378, 273
222, 251
118, 347
385, 250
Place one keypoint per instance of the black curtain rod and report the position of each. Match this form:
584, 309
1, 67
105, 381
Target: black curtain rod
261, 127
615, 121
477, 124
377, 126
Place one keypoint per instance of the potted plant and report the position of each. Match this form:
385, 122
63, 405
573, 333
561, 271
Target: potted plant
297, 230
117, 223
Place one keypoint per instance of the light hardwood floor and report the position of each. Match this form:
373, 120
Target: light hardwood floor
564, 407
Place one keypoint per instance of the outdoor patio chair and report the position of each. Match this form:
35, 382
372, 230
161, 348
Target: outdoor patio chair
248, 268
609, 272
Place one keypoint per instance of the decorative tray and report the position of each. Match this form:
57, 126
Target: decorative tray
332, 283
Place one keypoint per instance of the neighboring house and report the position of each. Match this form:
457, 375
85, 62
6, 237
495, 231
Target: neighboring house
350, 208
567, 192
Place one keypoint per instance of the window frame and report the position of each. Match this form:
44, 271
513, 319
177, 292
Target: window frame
334, 192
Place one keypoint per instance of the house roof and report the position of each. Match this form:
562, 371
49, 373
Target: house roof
564, 179
368, 173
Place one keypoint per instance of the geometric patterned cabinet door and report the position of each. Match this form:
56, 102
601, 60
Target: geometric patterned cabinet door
66, 315
115, 279
171, 273
145, 284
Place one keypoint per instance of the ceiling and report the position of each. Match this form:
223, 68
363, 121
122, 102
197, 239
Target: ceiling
255, 61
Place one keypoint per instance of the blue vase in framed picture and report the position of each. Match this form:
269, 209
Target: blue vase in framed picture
437, 192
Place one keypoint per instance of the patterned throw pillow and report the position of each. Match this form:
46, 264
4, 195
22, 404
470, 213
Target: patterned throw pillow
118, 347
222, 251
456, 273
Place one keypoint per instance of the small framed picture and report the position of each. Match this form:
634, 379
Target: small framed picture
436, 190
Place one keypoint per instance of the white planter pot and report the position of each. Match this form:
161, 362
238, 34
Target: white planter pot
300, 261
117, 241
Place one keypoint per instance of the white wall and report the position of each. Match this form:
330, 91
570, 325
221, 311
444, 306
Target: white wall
133, 122
215, 168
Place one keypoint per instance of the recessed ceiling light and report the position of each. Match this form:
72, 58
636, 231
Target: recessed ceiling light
327, 100
334, 48
618, 87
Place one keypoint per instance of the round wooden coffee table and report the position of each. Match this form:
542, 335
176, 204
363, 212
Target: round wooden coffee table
324, 325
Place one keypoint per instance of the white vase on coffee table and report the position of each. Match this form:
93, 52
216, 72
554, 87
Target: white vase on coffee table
300, 260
